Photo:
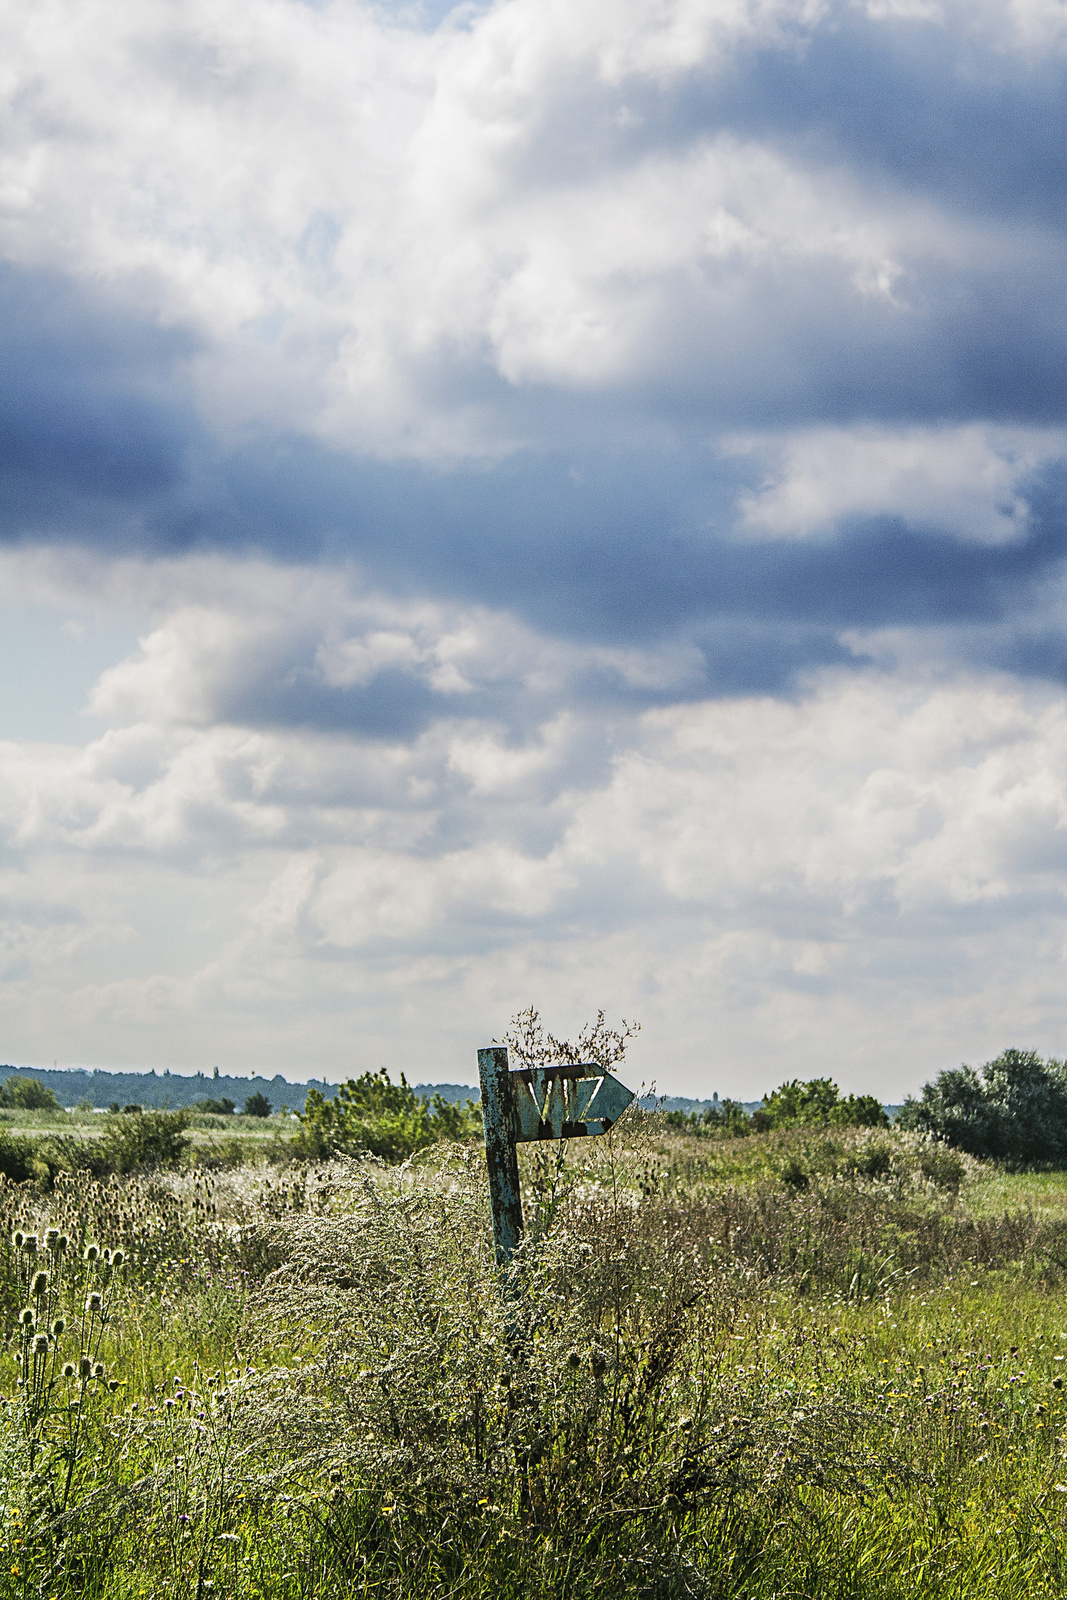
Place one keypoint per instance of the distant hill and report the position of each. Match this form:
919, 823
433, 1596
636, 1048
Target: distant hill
154, 1090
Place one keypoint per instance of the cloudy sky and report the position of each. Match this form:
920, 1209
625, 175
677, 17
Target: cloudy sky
546, 501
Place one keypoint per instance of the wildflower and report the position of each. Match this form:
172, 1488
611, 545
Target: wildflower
92, 1252
39, 1286
59, 1327
95, 1302
27, 1317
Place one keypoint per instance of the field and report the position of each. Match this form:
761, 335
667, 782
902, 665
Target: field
788, 1365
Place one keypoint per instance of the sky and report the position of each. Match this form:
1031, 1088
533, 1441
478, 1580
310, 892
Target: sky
554, 502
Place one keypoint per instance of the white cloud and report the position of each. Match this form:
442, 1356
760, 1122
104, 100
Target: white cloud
970, 481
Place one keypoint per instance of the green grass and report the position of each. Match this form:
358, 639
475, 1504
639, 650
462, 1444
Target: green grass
782, 1366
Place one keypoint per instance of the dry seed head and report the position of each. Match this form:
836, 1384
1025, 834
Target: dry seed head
18, 1238
62, 1242
39, 1286
112, 1384
85, 1366
41, 1342
98, 1369
51, 1238
107, 1257
68, 1369
92, 1252
29, 1244
59, 1327
27, 1317
117, 1258
95, 1302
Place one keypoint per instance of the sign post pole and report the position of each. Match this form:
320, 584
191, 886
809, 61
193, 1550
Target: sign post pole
500, 1158
559, 1102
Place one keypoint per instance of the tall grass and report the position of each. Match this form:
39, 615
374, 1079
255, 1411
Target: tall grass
780, 1366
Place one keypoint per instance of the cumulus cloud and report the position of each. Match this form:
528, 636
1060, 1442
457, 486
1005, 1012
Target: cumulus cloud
971, 481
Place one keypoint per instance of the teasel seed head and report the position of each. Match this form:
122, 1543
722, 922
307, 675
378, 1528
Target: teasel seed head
69, 1369
39, 1286
85, 1366
51, 1238
18, 1238
112, 1384
41, 1342
98, 1369
27, 1317
95, 1302
92, 1252
29, 1244
117, 1257
62, 1242
59, 1327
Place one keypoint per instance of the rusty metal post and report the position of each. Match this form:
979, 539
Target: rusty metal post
500, 1157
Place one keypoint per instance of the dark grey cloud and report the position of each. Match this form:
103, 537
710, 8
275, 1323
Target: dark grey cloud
615, 521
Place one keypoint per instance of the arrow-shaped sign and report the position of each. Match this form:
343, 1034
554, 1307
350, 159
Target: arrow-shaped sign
536, 1103
565, 1102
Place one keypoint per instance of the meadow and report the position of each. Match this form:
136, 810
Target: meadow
787, 1365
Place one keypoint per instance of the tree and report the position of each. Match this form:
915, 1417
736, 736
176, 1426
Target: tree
1013, 1110
257, 1105
27, 1094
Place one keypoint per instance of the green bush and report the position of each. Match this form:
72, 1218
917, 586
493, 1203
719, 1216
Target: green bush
372, 1115
257, 1105
27, 1094
218, 1108
16, 1157
817, 1104
1013, 1110
154, 1139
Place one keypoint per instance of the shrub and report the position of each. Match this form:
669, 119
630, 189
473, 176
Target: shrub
372, 1115
154, 1139
27, 1094
1013, 1110
219, 1108
257, 1105
817, 1104
16, 1157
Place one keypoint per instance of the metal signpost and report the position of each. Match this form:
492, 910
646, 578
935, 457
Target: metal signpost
536, 1103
